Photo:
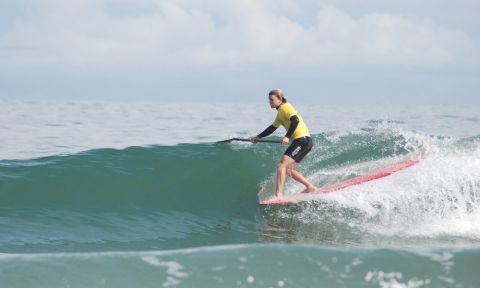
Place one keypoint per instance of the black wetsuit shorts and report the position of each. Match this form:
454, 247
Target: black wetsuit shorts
299, 148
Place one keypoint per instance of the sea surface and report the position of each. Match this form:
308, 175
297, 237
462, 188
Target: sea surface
137, 194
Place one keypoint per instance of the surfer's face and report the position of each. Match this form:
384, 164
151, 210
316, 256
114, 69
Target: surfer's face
274, 101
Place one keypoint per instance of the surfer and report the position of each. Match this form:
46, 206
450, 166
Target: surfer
297, 131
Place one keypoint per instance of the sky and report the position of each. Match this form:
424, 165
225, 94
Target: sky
332, 51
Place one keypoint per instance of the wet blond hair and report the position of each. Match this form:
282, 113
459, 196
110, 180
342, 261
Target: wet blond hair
279, 94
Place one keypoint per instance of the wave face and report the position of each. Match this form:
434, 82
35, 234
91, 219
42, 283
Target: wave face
136, 198
187, 195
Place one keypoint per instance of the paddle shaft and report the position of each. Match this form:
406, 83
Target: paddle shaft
248, 140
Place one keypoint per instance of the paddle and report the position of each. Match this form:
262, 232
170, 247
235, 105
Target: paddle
246, 140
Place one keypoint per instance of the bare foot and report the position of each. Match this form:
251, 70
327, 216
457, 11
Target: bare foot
309, 189
272, 200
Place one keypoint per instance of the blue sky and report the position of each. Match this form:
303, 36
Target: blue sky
342, 51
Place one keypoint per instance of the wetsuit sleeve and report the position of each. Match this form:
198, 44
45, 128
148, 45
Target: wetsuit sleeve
293, 125
270, 129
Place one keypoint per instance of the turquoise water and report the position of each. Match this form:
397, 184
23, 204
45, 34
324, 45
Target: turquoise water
187, 215
250, 265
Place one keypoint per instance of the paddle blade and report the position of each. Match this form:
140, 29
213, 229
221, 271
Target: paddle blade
230, 140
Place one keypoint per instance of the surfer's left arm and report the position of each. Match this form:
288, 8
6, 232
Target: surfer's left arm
270, 129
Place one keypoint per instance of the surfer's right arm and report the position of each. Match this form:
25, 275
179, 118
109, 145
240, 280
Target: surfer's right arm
270, 129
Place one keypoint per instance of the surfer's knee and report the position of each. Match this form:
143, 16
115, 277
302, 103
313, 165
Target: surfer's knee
290, 168
289, 171
281, 166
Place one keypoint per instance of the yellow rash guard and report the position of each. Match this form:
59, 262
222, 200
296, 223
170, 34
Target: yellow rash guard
285, 112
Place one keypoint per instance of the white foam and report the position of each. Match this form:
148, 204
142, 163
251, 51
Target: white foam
437, 198
393, 280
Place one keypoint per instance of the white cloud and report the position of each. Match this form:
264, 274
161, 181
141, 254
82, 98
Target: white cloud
209, 33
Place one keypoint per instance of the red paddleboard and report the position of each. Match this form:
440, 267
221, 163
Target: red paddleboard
386, 171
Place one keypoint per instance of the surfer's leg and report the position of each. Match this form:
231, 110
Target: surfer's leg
282, 173
297, 176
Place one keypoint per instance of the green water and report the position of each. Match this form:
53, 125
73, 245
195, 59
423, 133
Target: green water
134, 217
244, 266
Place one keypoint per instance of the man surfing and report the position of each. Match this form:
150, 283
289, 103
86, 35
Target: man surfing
297, 131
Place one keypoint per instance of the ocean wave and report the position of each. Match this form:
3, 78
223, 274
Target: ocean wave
172, 196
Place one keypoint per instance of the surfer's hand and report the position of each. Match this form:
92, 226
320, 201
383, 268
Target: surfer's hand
285, 140
254, 139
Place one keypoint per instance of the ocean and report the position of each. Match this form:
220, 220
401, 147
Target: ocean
138, 194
